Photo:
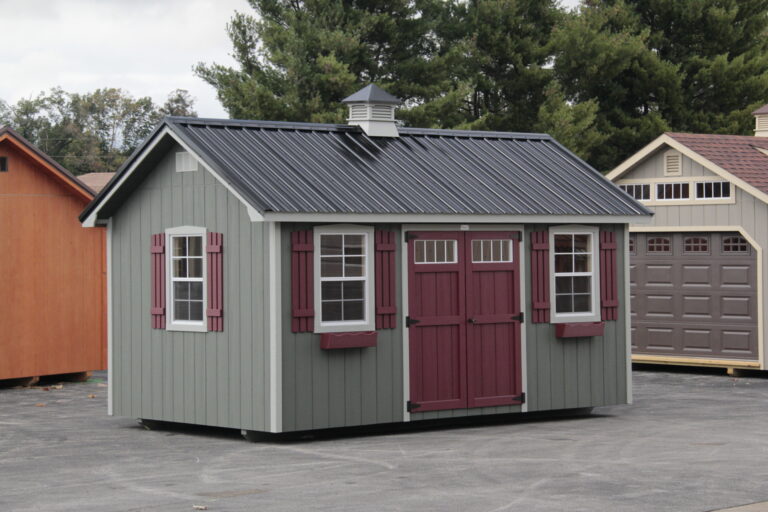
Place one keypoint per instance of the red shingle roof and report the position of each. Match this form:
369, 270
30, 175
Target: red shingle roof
761, 110
96, 180
737, 154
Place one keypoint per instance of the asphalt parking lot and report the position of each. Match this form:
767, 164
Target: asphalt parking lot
691, 442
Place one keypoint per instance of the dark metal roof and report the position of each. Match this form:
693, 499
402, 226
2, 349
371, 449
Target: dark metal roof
321, 168
372, 94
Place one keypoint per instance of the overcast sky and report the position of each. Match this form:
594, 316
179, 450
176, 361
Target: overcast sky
145, 47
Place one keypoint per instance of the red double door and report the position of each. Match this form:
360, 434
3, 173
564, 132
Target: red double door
464, 319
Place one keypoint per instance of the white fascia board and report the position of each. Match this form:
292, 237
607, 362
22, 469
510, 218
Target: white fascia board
409, 218
638, 157
91, 220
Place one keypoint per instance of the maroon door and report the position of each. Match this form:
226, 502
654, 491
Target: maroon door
464, 319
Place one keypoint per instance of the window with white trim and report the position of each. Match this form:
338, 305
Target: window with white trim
574, 280
672, 191
638, 191
713, 190
186, 279
434, 251
492, 251
343, 278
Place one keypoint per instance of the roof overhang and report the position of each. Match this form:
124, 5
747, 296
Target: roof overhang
665, 139
399, 218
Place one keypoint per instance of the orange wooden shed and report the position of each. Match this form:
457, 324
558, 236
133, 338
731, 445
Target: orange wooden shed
53, 271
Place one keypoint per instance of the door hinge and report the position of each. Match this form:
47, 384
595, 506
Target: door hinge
410, 406
520, 398
410, 321
520, 318
410, 235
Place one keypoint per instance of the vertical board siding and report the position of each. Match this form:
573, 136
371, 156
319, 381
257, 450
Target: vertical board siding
336, 388
213, 378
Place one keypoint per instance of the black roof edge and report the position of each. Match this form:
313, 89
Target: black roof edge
71, 177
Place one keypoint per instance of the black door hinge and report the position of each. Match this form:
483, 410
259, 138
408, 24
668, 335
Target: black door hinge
410, 235
520, 398
410, 321
520, 318
410, 406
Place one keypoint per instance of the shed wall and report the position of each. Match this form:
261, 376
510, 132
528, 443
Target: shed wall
214, 378
52, 277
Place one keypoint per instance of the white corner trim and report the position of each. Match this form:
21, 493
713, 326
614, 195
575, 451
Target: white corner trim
275, 327
110, 324
627, 314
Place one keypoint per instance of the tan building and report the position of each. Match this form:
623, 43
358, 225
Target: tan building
698, 270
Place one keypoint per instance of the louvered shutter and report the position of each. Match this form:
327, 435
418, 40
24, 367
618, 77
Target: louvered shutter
540, 276
302, 285
157, 255
385, 279
215, 310
609, 300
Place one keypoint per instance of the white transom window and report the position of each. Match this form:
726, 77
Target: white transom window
343, 278
574, 278
186, 276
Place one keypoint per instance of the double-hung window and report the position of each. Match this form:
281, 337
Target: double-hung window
186, 279
574, 278
343, 279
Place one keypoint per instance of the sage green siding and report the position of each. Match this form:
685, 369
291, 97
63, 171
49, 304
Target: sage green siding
214, 378
338, 388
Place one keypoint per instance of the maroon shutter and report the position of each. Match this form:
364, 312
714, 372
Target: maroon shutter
157, 255
609, 295
215, 311
385, 280
540, 276
302, 286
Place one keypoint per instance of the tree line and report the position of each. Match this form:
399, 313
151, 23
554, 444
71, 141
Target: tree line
90, 132
604, 79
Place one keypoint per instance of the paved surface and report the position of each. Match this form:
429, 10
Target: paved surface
691, 442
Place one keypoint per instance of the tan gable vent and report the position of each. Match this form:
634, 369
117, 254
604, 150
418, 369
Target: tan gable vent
373, 109
673, 163
761, 121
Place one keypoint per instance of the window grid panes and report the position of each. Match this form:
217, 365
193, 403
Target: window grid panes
632, 244
671, 191
434, 251
735, 244
187, 278
491, 251
573, 273
693, 244
343, 277
641, 192
659, 244
713, 190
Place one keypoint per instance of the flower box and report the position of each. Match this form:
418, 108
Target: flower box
579, 330
334, 340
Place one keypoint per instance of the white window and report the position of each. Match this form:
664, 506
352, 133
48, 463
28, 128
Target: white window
574, 278
713, 190
672, 191
491, 251
343, 279
434, 251
641, 192
186, 279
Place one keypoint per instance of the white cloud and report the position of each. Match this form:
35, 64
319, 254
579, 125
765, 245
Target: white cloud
146, 47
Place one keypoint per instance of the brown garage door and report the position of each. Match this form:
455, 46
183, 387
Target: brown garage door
693, 295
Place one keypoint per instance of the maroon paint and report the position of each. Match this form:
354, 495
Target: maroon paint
334, 340
215, 311
579, 330
302, 287
493, 329
455, 363
437, 344
386, 304
157, 254
609, 302
540, 277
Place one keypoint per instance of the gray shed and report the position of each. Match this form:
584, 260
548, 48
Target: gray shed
698, 281
281, 277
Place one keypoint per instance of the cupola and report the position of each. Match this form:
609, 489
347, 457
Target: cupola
761, 121
373, 109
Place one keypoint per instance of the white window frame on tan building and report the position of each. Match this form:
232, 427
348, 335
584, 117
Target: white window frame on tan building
369, 320
594, 314
185, 325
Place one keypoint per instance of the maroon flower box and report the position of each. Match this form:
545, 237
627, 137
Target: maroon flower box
579, 330
332, 340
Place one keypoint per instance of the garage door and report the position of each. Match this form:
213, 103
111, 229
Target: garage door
693, 295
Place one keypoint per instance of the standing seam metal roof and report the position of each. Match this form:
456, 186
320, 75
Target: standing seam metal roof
317, 168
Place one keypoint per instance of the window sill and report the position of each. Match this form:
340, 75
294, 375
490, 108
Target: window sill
579, 330
202, 327
336, 340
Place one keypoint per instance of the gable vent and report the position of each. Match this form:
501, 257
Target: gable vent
358, 112
383, 112
673, 165
185, 162
761, 125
